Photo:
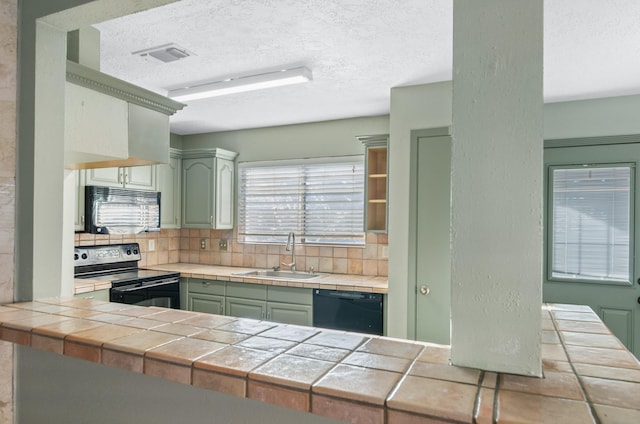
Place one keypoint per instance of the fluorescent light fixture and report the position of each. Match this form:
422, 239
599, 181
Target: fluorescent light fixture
242, 84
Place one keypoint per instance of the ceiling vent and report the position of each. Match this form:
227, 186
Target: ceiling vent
164, 53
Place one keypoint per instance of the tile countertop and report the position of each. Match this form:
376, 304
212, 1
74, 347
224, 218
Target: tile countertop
589, 376
361, 283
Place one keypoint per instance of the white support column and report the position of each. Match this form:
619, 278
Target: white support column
497, 185
52, 265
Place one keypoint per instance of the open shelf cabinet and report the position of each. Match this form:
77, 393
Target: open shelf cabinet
376, 182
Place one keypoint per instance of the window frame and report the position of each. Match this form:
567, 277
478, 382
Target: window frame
549, 220
300, 238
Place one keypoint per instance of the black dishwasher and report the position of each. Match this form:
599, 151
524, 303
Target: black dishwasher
349, 311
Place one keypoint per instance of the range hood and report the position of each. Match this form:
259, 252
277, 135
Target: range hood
110, 122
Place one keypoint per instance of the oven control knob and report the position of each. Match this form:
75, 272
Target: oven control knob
128, 252
75, 256
135, 251
84, 256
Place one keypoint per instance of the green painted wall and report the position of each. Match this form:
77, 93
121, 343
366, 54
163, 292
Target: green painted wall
319, 139
175, 141
588, 118
412, 108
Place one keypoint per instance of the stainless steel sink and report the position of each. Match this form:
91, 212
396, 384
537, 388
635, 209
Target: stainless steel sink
285, 275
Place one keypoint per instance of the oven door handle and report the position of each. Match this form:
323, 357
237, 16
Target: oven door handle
136, 287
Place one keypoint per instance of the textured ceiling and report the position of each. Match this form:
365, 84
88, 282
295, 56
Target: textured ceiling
356, 49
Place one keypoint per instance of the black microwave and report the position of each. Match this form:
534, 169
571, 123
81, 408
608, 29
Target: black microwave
110, 210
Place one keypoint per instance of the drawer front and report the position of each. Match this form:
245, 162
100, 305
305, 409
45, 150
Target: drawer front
289, 295
247, 291
200, 285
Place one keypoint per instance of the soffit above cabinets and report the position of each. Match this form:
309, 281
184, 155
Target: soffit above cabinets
111, 123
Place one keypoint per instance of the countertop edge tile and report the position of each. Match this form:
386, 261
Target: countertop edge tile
340, 386
347, 282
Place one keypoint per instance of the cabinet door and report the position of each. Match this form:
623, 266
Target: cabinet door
140, 177
245, 308
205, 303
168, 178
197, 192
107, 177
290, 313
78, 222
224, 199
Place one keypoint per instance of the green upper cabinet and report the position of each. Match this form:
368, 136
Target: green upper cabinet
376, 183
208, 181
136, 177
169, 176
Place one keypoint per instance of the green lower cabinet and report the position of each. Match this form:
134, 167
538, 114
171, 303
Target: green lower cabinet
245, 308
203, 295
208, 303
290, 313
97, 295
288, 305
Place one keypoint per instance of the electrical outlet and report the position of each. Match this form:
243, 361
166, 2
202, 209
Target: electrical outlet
222, 244
152, 245
203, 244
385, 251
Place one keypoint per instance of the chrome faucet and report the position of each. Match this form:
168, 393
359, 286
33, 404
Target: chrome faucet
291, 246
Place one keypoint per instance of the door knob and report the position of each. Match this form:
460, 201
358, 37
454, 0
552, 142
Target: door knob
424, 290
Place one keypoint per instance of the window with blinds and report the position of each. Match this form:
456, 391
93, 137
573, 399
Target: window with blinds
320, 200
592, 223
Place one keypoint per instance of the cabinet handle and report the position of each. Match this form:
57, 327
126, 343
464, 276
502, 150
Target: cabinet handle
120, 177
211, 220
206, 283
82, 219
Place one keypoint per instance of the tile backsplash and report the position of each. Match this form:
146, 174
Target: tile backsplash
185, 245
156, 248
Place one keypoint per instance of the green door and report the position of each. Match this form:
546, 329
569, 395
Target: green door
433, 264
592, 229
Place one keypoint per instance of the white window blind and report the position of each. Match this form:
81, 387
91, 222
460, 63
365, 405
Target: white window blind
592, 223
320, 200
